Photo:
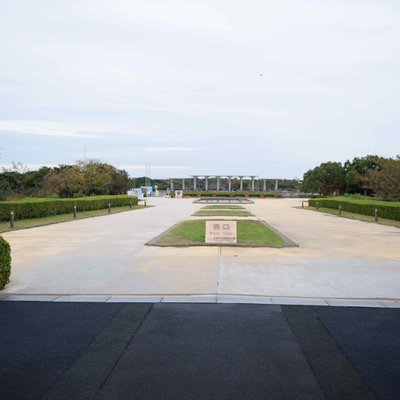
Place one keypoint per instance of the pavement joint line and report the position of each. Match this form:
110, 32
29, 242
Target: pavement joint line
90, 370
220, 265
48, 393
127, 345
335, 373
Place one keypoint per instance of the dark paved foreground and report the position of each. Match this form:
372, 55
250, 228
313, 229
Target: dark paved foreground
197, 351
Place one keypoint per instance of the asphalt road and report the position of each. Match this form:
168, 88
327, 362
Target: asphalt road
197, 351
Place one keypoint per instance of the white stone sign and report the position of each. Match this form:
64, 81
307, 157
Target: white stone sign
221, 232
178, 194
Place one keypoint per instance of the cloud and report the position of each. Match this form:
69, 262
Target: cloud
45, 129
171, 149
221, 86
154, 167
157, 171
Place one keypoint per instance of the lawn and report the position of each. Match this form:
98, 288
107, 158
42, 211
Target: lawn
55, 219
222, 213
359, 200
250, 233
359, 217
223, 207
389, 210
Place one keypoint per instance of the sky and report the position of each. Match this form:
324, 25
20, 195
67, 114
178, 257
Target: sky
266, 88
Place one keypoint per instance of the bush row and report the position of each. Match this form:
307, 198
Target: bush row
5, 262
232, 194
48, 207
366, 207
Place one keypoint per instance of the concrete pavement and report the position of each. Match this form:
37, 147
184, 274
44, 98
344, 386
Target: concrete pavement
336, 257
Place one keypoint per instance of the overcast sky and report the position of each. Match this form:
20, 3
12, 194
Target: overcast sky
270, 88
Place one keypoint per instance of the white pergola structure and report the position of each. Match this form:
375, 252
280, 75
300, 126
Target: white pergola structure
172, 183
218, 179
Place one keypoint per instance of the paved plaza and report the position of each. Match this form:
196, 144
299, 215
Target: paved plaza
337, 259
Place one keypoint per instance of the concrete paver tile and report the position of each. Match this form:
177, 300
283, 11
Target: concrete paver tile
189, 299
244, 299
390, 304
28, 298
134, 299
354, 303
89, 299
298, 301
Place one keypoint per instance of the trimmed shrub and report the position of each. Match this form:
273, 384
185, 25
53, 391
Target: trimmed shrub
38, 208
232, 194
264, 194
386, 209
5, 262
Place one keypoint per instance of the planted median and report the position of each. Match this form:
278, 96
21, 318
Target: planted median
222, 213
249, 234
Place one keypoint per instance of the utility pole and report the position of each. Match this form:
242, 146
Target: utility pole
147, 174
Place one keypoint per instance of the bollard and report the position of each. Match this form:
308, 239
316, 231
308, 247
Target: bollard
376, 215
12, 219
109, 208
340, 210
130, 204
302, 204
74, 212
145, 203
318, 205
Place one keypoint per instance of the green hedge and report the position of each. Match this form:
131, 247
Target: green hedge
37, 208
232, 194
386, 209
5, 262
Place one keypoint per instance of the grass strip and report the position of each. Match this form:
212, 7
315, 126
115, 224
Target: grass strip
248, 232
365, 206
55, 219
38, 208
222, 213
223, 207
358, 217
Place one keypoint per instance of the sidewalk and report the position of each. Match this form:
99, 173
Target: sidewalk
61, 350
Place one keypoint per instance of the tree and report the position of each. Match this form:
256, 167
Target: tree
120, 182
33, 181
97, 177
357, 169
326, 179
385, 182
76, 180
64, 181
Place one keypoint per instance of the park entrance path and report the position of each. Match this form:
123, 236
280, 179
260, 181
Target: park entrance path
337, 258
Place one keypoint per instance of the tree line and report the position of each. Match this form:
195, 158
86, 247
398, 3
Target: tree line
65, 181
370, 176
